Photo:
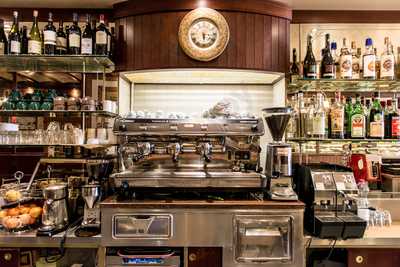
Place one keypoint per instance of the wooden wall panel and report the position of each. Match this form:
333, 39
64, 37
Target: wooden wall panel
150, 41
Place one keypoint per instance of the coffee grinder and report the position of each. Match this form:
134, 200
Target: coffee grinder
279, 155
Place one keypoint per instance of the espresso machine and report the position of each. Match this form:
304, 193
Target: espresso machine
188, 155
55, 213
279, 155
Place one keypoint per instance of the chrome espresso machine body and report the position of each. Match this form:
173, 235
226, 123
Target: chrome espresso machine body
196, 183
203, 153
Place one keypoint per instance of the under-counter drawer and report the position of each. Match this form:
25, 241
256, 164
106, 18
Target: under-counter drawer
143, 226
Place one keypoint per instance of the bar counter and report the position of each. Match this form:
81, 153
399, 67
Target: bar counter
30, 240
377, 237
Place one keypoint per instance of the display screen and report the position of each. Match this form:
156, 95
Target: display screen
144, 261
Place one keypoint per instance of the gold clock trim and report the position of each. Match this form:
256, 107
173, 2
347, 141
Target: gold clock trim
221, 42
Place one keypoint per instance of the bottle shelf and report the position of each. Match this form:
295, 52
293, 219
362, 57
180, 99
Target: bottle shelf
56, 113
87, 146
344, 140
333, 85
56, 63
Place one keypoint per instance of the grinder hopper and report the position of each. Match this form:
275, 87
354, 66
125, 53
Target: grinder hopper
277, 120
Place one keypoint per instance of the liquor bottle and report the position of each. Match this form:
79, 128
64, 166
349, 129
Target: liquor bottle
376, 125
346, 62
357, 120
377, 64
67, 34
50, 37
301, 131
389, 114
294, 68
369, 60
309, 116
355, 62
291, 127
359, 56
337, 118
93, 26
319, 118
108, 41
396, 121
336, 58
367, 109
74, 37
309, 64
328, 69
348, 109
35, 40
101, 37
387, 62
3, 40
14, 38
87, 38
61, 40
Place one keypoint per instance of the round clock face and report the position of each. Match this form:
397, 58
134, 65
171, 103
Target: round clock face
203, 34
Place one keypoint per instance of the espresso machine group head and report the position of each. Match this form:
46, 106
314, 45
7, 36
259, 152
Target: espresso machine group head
279, 155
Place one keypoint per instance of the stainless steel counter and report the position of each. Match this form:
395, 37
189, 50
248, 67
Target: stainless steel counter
377, 237
29, 239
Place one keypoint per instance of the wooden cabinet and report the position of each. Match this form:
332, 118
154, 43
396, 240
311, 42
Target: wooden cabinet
202, 257
373, 257
9, 257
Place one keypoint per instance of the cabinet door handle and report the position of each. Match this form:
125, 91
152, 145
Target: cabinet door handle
192, 257
359, 259
7, 257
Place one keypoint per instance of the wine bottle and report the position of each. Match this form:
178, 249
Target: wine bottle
108, 41
74, 37
61, 40
328, 69
87, 38
112, 44
14, 38
294, 68
67, 34
310, 64
24, 40
101, 37
35, 40
3, 40
50, 36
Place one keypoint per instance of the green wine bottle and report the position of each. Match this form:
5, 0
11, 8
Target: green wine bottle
35, 39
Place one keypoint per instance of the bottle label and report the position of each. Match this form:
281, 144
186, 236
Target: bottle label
356, 70
337, 122
15, 47
357, 125
61, 43
346, 66
101, 38
74, 40
49, 37
387, 66
329, 71
34, 47
369, 66
87, 46
395, 126
2, 46
318, 125
376, 126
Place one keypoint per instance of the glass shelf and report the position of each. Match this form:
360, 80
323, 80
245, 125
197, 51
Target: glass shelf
307, 85
56, 63
88, 146
55, 113
345, 140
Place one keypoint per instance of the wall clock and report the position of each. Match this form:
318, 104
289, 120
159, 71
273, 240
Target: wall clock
203, 34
